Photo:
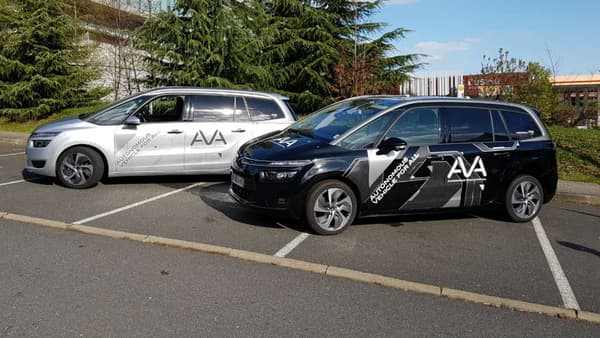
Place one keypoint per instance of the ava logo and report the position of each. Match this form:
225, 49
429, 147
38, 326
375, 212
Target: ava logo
217, 136
459, 168
285, 142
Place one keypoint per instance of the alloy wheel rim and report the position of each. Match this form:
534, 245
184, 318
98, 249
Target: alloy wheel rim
332, 209
77, 168
526, 199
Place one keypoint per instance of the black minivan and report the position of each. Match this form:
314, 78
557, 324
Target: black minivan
383, 155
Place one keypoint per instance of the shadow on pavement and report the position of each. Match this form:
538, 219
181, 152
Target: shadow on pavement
401, 220
171, 181
580, 248
217, 197
581, 212
33, 178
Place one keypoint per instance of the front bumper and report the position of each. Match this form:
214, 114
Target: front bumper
277, 198
41, 161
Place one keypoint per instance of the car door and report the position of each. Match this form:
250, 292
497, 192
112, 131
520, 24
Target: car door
220, 124
156, 144
407, 180
475, 155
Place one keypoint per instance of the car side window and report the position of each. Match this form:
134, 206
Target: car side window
368, 135
213, 108
500, 132
469, 125
162, 109
419, 126
240, 113
520, 125
263, 109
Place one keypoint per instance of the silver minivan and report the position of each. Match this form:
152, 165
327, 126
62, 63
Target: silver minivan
164, 131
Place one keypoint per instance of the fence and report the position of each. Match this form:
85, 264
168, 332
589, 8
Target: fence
443, 85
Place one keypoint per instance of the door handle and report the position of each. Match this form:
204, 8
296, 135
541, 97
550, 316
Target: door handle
175, 131
434, 157
502, 154
239, 130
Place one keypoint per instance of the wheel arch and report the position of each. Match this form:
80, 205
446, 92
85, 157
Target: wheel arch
92, 147
339, 177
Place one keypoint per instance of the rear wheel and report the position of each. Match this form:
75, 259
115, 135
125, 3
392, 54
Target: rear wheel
330, 207
79, 168
524, 198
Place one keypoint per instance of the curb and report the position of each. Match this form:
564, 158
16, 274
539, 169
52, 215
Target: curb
326, 270
577, 198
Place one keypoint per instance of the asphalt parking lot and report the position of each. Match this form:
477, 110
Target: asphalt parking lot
480, 253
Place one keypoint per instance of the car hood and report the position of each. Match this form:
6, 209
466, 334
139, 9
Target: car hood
288, 146
70, 123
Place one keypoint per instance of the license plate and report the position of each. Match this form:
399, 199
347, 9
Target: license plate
237, 179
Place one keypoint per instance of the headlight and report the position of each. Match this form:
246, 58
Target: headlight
42, 139
45, 134
300, 163
40, 143
276, 176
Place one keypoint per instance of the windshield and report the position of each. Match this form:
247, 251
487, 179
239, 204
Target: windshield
334, 120
118, 112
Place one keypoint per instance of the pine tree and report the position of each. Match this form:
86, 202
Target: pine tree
42, 62
209, 43
300, 49
367, 63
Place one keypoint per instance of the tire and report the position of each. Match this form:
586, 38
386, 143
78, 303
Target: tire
79, 168
524, 198
330, 207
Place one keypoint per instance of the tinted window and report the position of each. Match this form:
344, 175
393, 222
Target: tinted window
469, 125
118, 113
263, 109
500, 132
417, 127
211, 108
520, 125
367, 135
162, 109
334, 120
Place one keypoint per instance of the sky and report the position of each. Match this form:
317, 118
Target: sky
457, 33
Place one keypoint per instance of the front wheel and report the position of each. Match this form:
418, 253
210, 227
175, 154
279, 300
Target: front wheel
79, 168
330, 207
524, 198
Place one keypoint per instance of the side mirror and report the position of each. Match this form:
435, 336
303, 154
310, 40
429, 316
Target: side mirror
133, 121
392, 143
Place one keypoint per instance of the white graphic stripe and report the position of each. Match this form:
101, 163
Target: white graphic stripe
291, 245
566, 293
378, 163
133, 205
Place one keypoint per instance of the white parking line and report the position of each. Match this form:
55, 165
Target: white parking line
566, 293
133, 205
11, 182
13, 154
291, 245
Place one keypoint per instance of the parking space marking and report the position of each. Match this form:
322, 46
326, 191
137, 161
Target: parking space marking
326, 270
136, 204
291, 245
11, 182
566, 293
12, 154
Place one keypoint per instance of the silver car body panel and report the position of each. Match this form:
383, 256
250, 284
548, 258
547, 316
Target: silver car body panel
159, 148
